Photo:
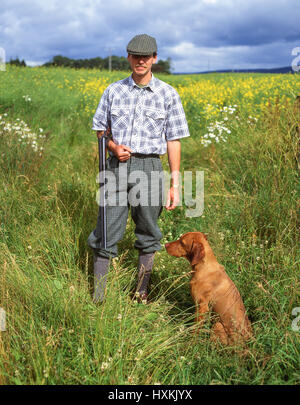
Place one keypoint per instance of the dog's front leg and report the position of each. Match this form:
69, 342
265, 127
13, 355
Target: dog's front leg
218, 334
201, 310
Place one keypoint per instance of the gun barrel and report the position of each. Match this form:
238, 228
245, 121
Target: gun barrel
102, 158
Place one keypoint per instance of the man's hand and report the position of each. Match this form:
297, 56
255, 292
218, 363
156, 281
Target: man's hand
122, 152
172, 199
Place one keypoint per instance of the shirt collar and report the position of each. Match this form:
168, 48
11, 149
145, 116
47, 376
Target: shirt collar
151, 84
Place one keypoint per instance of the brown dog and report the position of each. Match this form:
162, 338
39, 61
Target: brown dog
210, 285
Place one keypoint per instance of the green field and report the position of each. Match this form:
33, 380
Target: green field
244, 137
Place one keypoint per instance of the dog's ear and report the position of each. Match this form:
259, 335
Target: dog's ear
197, 252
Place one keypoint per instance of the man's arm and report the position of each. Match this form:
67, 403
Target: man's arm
101, 123
122, 152
174, 152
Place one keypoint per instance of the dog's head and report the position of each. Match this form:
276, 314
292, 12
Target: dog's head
190, 245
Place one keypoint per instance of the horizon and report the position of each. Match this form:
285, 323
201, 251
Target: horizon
189, 73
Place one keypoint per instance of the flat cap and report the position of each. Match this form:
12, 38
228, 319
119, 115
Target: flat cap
142, 45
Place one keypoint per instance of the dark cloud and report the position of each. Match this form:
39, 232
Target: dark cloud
195, 34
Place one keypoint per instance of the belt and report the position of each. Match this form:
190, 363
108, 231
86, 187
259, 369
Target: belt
145, 155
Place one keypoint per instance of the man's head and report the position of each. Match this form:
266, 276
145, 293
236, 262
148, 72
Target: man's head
142, 53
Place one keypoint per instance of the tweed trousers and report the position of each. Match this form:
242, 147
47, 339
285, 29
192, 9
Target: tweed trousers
138, 185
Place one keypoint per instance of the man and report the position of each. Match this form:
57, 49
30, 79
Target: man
146, 119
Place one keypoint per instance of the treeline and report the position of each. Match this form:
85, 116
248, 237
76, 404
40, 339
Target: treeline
17, 62
115, 63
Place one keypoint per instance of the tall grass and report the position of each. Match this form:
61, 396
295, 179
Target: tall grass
56, 335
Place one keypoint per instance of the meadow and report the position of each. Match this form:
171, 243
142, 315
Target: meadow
244, 137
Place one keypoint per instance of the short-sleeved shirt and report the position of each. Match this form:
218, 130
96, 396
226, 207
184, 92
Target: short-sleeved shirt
142, 118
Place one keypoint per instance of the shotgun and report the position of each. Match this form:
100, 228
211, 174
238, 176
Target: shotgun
102, 158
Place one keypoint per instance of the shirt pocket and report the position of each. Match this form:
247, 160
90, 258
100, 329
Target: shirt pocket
154, 122
120, 119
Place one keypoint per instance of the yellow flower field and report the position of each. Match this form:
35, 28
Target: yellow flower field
216, 104
206, 93
201, 95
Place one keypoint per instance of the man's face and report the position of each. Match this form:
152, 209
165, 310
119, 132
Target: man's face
141, 65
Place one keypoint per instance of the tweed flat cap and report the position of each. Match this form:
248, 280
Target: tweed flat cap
142, 45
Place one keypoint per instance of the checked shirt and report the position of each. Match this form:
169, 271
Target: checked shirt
142, 118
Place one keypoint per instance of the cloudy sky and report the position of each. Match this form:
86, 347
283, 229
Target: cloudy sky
198, 35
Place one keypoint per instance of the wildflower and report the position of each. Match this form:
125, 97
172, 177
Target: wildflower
104, 366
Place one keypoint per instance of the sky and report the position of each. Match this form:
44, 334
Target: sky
198, 35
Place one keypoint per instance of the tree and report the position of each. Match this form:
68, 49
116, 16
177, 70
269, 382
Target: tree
162, 66
17, 62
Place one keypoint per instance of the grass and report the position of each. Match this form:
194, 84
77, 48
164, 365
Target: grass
56, 335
